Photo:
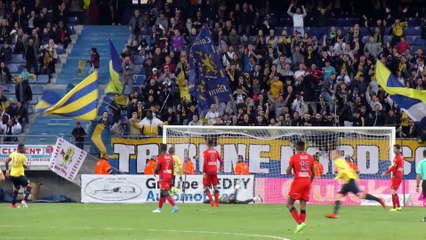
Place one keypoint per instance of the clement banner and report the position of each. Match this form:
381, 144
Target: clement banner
265, 158
37, 155
323, 191
145, 188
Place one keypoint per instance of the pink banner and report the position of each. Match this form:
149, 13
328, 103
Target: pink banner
323, 191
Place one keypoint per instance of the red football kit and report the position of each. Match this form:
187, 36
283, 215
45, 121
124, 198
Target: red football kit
397, 171
211, 157
166, 171
302, 165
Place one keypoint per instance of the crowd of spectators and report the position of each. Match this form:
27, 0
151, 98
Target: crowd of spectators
292, 77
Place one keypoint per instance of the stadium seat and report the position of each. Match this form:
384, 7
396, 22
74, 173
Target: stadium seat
72, 21
138, 59
37, 89
10, 88
139, 79
18, 58
32, 80
137, 69
413, 31
43, 78
34, 101
13, 67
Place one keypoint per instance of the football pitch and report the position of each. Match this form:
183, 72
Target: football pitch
248, 222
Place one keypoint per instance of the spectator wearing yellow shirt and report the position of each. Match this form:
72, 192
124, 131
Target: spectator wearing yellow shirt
397, 31
276, 87
150, 124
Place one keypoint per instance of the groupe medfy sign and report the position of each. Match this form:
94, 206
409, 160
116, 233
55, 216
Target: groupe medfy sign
145, 188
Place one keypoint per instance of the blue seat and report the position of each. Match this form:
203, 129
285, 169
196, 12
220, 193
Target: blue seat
413, 31
364, 31
137, 69
18, 58
10, 88
37, 89
138, 59
34, 101
13, 67
43, 79
143, 70
139, 79
72, 21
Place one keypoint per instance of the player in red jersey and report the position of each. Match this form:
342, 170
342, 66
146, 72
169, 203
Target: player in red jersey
302, 165
165, 168
211, 156
397, 170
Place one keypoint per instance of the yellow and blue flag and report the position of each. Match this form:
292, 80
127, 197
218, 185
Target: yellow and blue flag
80, 103
410, 100
207, 80
114, 85
101, 138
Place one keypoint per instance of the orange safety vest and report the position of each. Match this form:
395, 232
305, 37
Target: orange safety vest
150, 167
188, 168
318, 169
353, 166
242, 168
102, 167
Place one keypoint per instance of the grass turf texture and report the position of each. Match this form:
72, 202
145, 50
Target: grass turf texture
135, 221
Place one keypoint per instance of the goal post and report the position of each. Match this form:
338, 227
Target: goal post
267, 151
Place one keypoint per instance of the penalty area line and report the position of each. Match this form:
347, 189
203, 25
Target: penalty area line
250, 235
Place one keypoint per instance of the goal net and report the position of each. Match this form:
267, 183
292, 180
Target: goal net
267, 151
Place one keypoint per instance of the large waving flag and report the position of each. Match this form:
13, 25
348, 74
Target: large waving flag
410, 100
207, 81
101, 137
80, 103
114, 85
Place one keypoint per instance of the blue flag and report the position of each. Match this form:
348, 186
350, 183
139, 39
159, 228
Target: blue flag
207, 81
411, 101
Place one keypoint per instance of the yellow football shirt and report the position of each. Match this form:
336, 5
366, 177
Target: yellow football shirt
344, 171
178, 165
276, 87
18, 161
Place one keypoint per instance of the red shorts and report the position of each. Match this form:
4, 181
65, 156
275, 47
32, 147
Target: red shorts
300, 189
165, 185
395, 182
210, 180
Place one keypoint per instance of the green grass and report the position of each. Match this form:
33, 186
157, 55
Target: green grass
236, 222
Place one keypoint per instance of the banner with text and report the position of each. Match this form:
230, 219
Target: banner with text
37, 155
67, 159
145, 188
266, 158
323, 191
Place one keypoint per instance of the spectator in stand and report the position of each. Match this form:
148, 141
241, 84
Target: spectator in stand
133, 122
4, 30
150, 124
78, 132
45, 62
298, 24
403, 45
398, 31
51, 48
12, 127
117, 129
23, 92
136, 26
6, 52
127, 74
25, 74
21, 114
62, 35
31, 55
94, 60
5, 76
212, 115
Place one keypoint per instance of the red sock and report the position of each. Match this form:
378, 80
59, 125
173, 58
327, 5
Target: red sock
209, 194
302, 215
397, 201
161, 202
171, 201
295, 215
393, 201
216, 197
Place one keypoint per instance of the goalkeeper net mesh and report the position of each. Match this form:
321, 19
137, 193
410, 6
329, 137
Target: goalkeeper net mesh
267, 152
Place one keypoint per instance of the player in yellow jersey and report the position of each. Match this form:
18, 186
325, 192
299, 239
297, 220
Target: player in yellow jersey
17, 175
178, 168
348, 176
